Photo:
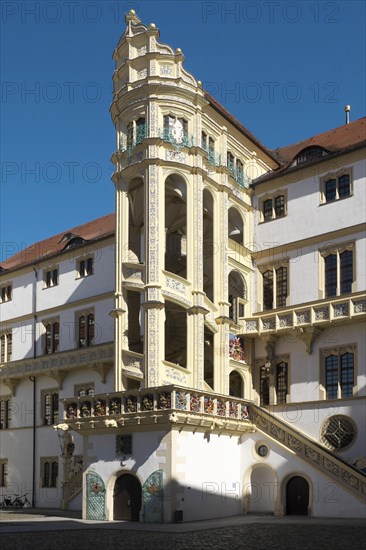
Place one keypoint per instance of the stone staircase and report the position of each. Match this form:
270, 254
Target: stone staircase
347, 476
71, 488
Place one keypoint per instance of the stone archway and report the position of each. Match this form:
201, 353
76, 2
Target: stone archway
263, 490
127, 498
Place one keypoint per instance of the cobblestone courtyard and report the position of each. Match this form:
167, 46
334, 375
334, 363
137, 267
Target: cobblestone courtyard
262, 535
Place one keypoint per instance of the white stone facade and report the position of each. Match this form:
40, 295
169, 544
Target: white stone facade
224, 346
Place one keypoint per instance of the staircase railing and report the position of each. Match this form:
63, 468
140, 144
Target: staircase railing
309, 450
71, 488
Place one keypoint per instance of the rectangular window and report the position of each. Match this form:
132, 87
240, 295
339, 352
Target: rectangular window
336, 187
211, 148
141, 130
51, 278
268, 289
275, 287
204, 140
338, 271
86, 330
346, 271
339, 375
84, 390
5, 413
344, 187
264, 385
130, 135
279, 206
50, 407
6, 347
267, 209
3, 471
86, 267
52, 337
124, 444
230, 161
49, 471
6, 293
330, 190
281, 286
281, 382
331, 275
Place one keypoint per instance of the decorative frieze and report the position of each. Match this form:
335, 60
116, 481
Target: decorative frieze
340, 310
359, 306
65, 360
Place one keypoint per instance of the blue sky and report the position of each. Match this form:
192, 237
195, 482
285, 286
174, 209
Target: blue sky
284, 69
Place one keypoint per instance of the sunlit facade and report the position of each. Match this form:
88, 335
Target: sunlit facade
201, 353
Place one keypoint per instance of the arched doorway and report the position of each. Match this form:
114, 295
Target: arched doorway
263, 491
127, 498
297, 496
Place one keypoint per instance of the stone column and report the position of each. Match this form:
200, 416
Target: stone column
120, 311
154, 303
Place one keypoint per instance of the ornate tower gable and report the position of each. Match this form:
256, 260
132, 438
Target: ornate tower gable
141, 59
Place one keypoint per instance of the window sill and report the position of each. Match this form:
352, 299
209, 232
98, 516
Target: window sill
272, 219
335, 201
83, 276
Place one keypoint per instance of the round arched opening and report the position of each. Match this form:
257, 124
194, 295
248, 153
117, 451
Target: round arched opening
127, 498
297, 496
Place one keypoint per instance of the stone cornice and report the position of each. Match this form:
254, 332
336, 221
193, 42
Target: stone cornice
58, 363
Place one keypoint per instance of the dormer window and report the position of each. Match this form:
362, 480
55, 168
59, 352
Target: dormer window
309, 154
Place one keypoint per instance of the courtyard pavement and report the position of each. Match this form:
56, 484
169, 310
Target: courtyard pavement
56, 530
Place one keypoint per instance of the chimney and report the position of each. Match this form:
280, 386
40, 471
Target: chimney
347, 111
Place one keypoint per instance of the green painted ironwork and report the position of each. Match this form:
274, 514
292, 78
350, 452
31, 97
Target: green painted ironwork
153, 498
95, 497
183, 140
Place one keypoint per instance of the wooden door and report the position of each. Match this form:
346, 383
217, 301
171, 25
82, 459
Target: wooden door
127, 498
297, 497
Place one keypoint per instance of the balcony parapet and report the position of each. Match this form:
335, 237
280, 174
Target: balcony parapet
59, 364
317, 314
164, 405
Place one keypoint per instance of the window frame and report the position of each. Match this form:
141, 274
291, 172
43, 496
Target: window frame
89, 335
6, 343
274, 268
339, 279
173, 119
83, 266
3, 472
87, 387
54, 335
6, 292
336, 176
283, 399
267, 377
133, 136
5, 412
268, 210
51, 277
54, 407
48, 470
338, 352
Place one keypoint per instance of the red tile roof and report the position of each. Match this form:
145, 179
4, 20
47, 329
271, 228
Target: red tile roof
91, 231
337, 141
333, 140
235, 122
